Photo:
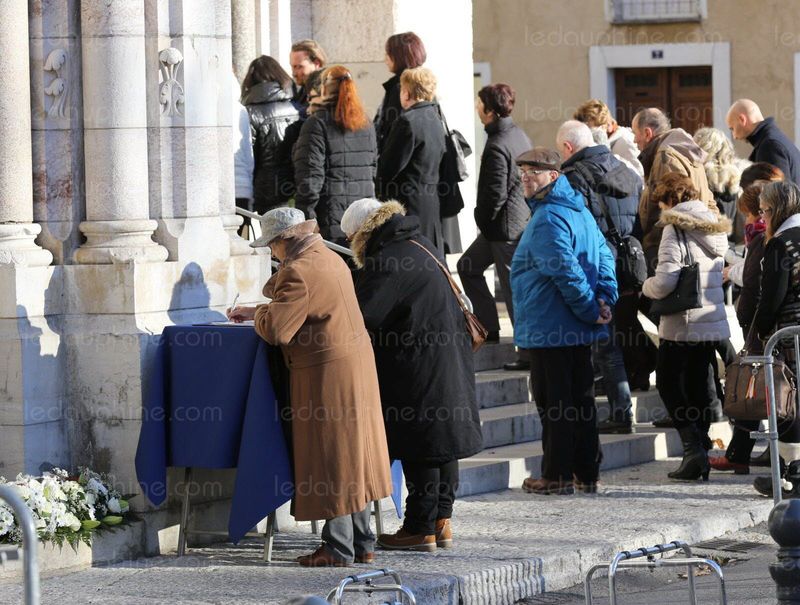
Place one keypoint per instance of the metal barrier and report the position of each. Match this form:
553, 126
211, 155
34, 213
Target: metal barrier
30, 543
364, 583
767, 359
623, 560
339, 249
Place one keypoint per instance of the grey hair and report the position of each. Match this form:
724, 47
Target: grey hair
722, 171
783, 198
576, 133
652, 118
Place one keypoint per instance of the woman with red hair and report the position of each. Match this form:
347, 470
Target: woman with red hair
336, 154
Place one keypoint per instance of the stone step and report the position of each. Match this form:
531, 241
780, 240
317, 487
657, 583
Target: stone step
509, 424
494, 388
492, 356
503, 467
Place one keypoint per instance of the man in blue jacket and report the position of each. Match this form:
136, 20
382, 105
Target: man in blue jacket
564, 286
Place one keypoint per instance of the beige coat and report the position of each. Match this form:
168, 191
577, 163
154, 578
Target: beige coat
341, 460
674, 151
707, 238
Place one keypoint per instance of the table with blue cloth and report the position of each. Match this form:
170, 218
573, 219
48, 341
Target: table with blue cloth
210, 403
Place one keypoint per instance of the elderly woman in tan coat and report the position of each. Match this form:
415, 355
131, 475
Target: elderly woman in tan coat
341, 461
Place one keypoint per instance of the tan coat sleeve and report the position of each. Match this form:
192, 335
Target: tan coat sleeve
279, 321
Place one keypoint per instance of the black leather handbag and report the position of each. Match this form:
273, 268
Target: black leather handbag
687, 294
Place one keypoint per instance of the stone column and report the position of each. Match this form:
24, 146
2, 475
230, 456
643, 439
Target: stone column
243, 35
17, 229
57, 125
118, 226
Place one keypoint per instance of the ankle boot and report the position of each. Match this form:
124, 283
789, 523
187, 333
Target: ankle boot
695, 458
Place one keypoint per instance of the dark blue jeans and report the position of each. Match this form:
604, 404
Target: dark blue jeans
609, 362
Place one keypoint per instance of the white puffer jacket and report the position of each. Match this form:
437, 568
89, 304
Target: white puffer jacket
706, 234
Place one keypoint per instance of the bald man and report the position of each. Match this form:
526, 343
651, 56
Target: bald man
770, 145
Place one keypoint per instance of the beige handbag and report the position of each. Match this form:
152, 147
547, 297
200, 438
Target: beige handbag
746, 388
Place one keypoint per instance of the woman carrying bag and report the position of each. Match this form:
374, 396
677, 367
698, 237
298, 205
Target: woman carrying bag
687, 287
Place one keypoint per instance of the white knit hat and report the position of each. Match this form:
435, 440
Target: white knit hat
357, 214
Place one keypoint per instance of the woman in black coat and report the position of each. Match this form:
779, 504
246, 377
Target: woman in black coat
500, 209
779, 307
403, 51
425, 367
265, 94
408, 167
335, 154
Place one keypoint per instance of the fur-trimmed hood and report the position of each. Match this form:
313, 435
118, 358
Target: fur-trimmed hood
699, 221
376, 220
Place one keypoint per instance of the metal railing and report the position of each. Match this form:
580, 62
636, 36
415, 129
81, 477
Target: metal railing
364, 583
768, 360
30, 543
336, 248
623, 560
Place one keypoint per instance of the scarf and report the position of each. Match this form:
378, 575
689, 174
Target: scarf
753, 229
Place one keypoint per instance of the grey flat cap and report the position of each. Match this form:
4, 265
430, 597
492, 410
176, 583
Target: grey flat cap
275, 222
542, 158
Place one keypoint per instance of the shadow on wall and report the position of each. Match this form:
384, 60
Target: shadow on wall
41, 395
191, 299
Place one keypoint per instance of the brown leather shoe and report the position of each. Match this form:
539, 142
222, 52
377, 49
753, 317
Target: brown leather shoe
545, 487
403, 540
444, 533
322, 557
367, 557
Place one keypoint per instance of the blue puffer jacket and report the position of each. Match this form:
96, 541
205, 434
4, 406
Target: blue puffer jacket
562, 266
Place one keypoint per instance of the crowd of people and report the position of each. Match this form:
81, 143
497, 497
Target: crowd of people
379, 353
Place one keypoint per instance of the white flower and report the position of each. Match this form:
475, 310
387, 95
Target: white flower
7, 520
72, 522
114, 506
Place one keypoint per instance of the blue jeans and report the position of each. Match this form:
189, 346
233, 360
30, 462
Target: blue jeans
609, 362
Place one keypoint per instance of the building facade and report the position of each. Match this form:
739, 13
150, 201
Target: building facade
117, 213
690, 57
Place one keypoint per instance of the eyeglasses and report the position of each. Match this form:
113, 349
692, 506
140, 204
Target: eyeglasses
764, 211
530, 173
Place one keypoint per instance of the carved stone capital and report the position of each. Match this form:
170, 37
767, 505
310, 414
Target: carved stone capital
112, 242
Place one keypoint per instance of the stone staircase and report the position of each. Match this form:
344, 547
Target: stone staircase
512, 430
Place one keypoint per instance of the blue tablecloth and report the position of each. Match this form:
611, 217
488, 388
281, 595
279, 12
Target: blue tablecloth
210, 404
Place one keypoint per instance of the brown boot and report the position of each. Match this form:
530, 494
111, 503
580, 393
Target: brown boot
403, 540
545, 487
367, 557
322, 557
444, 533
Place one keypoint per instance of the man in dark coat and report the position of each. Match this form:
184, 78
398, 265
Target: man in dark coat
609, 187
500, 210
425, 365
408, 168
769, 143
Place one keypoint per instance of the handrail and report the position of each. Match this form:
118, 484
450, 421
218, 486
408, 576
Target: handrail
772, 435
339, 249
30, 543
331, 245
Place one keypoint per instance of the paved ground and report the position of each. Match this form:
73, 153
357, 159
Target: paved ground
509, 546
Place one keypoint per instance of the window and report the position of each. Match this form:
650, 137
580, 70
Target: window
655, 11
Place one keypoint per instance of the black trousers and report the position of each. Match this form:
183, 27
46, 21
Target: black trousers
683, 376
562, 381
431, 493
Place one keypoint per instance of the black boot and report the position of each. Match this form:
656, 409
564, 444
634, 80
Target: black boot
790, 476
695, 458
